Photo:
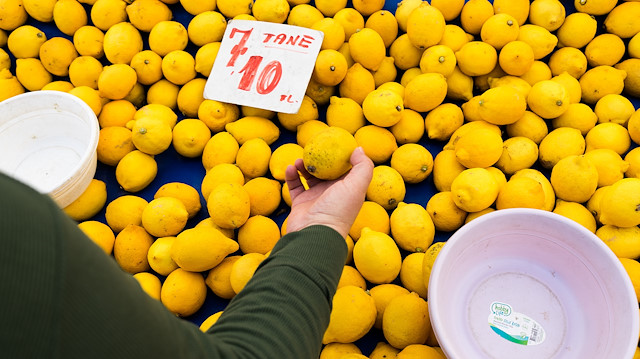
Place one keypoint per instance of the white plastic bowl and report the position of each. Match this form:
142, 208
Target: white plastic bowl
48, 140
525, 283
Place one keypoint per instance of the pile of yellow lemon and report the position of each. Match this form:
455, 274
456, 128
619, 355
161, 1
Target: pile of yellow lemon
510, 89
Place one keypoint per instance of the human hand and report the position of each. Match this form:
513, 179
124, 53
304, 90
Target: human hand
331, 203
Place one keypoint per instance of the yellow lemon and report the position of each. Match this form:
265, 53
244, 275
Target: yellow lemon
309, 129
275, 11
351, 276
233, 8
474, 189
574, 178
100, 234
157, 111
264, 195
86, 71
403, 10
330, 67
88, 41
387, 187
258, 235
89, 203
220, 173
163, 92
148, 67
569, 60
404, 54
476, 58
425, 92
633, 47
228, 205
579, 116
425, 26
151, 135
250, 127
125, 210
541, 40
338, 350
614, 108
130, 249
353, 313
621, 20
216, 115
411, 274
308, 111
327, 155
449, 9
529, 125
632, 81
350, 19
136, 170
14, 16
521, 192
377, 257
623, 241
576, 212
57, 54
479, 148
549, 14
519, 153
149, 283
164, 216
114, 143
320, 93
459, 85
69, 16
474, 14
383, 294
550, 197
502, 105
548, 99
633, 126
218, 278
499, 29
190, 136
243, 269
60, 85
188, 195
577, 30
571, 84
367, 48
25, 41
40, 10
605, 49
283, 156
633, 159
221, 148
595, 7
305, 15
183, 292
146, 13
208, 222
454, 37
121, 42
445, 168
357, 83
516, 58
116, 81
201, 248
444, 212
517, 83
560, 143
406, 321
608, 135
473, 215
334, 35
371, 215
385, 24
159, 256
383, 107
412, 227
438, 58
345, 113
632, 267
619, 203
539, 71
410, 128
206, 27
205, 57
421, 351
413, 161
600, 81
210, 321
253, 158
32, 74
429, 259
107, 13
442, 121
178, 67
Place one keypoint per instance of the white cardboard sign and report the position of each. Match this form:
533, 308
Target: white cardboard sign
264, 65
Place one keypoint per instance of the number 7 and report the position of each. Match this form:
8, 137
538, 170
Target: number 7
240, 48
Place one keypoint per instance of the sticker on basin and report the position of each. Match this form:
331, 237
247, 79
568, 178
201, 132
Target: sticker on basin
515, 327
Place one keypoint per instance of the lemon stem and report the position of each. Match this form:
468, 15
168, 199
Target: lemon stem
398, 108
332, 68
559, 103
311, 169
142, 130
441, 59
424, 168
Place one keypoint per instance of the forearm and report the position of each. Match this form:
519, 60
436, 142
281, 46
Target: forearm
284, 310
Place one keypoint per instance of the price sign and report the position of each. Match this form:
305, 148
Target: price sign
264, 65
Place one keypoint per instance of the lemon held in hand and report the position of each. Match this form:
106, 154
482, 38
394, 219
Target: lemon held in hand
327, 154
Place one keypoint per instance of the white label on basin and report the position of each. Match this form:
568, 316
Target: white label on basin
515, 327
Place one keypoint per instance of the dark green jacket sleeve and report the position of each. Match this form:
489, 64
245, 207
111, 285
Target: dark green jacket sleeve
61, 297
